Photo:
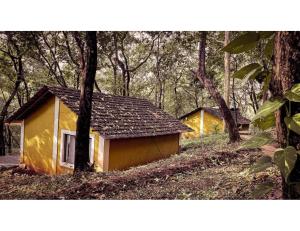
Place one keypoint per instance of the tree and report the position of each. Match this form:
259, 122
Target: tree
286, 73
14, 48
226, 71
85, 103
124, 61
208, 84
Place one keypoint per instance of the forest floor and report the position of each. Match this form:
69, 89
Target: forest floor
206, 169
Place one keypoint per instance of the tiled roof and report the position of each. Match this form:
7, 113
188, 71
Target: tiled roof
112, 116
216, 112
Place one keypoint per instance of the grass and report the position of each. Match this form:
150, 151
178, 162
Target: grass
209, 168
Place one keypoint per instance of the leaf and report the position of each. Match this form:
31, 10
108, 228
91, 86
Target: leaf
269, 107
242, 43
254, 74
266, 84
269, 48
285, 159
265, 123
262, 189
293, 123
262, 164
266, 34
244, 71
294, 93
257, 141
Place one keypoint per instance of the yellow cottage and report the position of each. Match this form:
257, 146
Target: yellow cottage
207, 121
125, 131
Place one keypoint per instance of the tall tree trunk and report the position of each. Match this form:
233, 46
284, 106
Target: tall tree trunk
227, 70
3, 114
286, 72
226, 73
85, 105
234, 101
8, 139
209, 86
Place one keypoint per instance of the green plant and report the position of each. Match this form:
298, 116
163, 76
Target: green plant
284, 158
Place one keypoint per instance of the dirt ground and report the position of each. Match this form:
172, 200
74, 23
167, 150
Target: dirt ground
206, 169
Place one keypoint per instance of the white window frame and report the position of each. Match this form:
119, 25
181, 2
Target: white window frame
73, 133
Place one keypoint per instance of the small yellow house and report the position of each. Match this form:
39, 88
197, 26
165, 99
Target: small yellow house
207, 121
125, 131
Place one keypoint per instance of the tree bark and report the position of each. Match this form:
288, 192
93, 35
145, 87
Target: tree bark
227, 70
286, 72
3, 114
85, 105
226, 73
209, 86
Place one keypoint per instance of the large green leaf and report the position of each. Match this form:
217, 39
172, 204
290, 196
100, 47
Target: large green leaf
293, 123
266, 34
285, 159
269, 48
246, 70
242, 43
265, 122
257, 141
269, 107
261, 165
294, 93
262, 189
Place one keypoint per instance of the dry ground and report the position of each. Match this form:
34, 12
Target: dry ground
210, 169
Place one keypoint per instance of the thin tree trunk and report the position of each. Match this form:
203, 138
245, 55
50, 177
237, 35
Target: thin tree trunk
209, 86
85, 105
4, 113
226, 73
9, 139
234, 101
286, 72
227, 70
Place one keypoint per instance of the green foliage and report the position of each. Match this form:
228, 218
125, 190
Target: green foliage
266, 84
257, 141
294, 93
293, 123
262, 164
285, 159
243, 43
246, 70
265, 122
262, 189
269, 107
266, 34
269, 48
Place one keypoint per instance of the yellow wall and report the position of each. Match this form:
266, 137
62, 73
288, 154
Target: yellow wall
192, 121
124, 153
67, 121
211, 125
38, 138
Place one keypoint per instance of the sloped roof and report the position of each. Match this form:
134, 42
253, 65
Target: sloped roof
216, 112
112, 116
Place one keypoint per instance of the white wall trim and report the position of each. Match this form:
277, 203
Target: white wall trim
103, 152
73, 133
202, 122
55, 134
22, 143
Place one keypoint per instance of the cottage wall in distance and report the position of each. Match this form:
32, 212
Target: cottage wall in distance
211, 124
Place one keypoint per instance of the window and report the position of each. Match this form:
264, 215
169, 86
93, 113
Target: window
68, 149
